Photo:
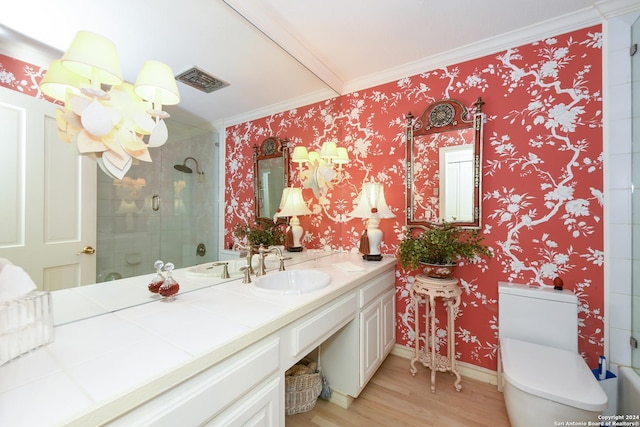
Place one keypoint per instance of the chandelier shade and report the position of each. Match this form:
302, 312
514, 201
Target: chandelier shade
155, 83
329, 150
300, 155
58, 82
94, 57
108, 118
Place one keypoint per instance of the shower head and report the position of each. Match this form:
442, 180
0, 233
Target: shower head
186, 169
183, 168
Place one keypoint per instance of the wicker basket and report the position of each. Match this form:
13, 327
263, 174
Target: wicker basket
301, 391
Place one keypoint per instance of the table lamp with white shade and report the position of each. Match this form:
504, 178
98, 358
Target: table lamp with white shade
372, 206
292, 204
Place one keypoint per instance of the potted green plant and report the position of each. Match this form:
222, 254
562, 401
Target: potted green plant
262, 232
438, 248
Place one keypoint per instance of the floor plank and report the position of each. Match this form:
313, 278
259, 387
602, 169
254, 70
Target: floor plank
395, 398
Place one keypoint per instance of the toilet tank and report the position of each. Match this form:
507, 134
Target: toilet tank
538, 315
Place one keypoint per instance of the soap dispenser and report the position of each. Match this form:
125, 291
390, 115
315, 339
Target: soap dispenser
170, 287
158, 279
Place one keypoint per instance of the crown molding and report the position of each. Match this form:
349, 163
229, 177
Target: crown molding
521, 36
310, 98
265, 21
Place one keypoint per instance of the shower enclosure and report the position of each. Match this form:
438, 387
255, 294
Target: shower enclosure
166, 209
635, 147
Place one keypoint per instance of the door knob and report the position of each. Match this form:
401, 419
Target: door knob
87, 250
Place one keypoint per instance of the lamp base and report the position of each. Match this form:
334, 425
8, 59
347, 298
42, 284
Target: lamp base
295, 249
372, 257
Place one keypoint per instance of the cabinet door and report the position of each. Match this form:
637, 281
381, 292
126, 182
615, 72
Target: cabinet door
388, 322
370, 341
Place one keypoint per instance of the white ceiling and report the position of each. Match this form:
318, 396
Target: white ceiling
328, 46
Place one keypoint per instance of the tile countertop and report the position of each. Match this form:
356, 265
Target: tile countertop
108, 364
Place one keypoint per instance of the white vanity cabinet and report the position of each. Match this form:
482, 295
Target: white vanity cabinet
355, 332
351, 357
226, 369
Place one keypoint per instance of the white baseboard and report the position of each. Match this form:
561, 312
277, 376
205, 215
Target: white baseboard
465, 369
341, 399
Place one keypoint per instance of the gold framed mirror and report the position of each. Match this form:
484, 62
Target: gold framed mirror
270, 175
444, 157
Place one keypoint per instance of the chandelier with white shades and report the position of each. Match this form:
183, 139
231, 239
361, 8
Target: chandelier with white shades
105, 116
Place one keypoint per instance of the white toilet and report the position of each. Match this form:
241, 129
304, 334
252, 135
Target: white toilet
544, 379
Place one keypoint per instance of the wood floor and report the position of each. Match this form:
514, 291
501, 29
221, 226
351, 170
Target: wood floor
395, 398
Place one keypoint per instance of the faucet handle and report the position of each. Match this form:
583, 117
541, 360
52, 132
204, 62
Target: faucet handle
282, 260
247, 275
225, 269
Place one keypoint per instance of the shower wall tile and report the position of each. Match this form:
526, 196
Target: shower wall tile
620, 276
619, 349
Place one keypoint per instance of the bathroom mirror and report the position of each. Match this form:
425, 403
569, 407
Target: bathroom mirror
141, 231
270, 175
444, 154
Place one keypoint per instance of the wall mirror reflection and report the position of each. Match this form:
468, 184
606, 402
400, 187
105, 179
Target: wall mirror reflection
119, 220
270, 175
444, 153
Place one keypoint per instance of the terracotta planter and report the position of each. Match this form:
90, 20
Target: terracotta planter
438, 271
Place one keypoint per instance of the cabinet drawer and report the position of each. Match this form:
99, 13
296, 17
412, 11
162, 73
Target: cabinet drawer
312, 331
210, 392
376, 287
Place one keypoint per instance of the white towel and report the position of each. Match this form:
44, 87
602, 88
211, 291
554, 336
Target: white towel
14, 281
348, 267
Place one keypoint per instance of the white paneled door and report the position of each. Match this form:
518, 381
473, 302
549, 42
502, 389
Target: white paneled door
48, 196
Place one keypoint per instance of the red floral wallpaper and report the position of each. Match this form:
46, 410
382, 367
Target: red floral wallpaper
542, 170
542, 177
20, 76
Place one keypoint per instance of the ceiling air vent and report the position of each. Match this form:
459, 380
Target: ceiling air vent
200, 80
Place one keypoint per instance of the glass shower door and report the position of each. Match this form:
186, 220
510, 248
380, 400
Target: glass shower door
160, 212
635, 100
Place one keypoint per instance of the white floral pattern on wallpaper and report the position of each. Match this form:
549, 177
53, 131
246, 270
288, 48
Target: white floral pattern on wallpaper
20, 76
542, 170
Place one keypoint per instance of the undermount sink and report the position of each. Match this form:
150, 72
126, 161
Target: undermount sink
292, 282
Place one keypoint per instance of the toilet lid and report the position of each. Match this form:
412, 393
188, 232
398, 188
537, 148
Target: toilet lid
551, 373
